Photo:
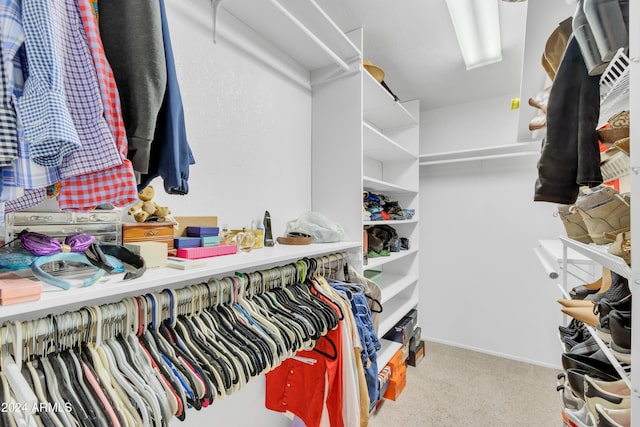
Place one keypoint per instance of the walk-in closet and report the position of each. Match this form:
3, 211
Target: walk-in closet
317, 213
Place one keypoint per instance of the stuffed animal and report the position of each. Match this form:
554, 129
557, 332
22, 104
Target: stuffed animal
147, 208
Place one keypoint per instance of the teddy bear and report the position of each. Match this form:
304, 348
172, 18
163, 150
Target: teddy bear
146, 207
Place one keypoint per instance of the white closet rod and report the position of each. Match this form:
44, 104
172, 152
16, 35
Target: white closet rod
311, 35
335, 26
477, 158
546, 265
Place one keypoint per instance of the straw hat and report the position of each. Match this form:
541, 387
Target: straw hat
376, 72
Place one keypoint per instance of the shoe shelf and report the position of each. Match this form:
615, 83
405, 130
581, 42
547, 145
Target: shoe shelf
623, 371
55, 300
600, 255
380, 186
392, 284
394, 311
386, 352
394, 256
381, 110
379, 146
614, 87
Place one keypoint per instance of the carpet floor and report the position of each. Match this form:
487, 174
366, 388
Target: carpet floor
457, 387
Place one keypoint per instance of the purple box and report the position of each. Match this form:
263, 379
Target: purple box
193, 231
186, 242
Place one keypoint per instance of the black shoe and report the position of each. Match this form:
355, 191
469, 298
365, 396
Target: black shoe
618, 290
592, 366
575, 378
620, 327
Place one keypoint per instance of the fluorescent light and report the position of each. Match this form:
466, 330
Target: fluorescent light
477, 27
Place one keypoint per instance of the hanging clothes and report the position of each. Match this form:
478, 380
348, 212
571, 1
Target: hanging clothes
8, 120
132, 36
115, 185
171, 155
43, 111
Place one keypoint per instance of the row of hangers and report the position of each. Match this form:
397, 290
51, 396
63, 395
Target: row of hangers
145, 359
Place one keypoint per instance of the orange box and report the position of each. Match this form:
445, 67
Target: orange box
396, 384
397, 363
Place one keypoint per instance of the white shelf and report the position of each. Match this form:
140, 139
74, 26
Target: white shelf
376, 185
381, 110
392, 222
300, 28
479, 154
614, 88
600, 255
55, 300
386, 352
394, 310
393, 284
553, 248
379, 261
380, 147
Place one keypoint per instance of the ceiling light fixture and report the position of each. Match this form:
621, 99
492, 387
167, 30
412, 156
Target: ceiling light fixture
477, 27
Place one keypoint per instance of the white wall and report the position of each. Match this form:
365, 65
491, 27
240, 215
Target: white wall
250, 131
249, 128
481, 285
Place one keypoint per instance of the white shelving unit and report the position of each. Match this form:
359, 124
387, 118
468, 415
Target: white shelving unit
55, 300
614, 263
364, 140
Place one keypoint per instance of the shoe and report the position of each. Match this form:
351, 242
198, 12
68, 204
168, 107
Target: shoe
576, 303
575, 378
603, 308
583, 314
594, 367
612, 417
540, 99
619, 289
624, 145
573, 223
578, 418
569, 398
620, 327
621, 245
613, 215
586, 347
538, 122
581, 292
616, 395
587, 43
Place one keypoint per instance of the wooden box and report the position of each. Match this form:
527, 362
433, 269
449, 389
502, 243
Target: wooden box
148, 232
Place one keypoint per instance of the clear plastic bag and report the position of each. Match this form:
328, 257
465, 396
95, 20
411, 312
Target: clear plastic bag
319, 227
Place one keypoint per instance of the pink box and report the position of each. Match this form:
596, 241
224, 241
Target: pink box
206, 252
14, 286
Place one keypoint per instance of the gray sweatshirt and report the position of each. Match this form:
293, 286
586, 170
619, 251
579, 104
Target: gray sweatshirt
131, 33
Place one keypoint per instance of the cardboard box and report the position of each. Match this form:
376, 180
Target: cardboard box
199, 231
397, 383
154, 253
186, 242
416, 356
193, 221
403, 330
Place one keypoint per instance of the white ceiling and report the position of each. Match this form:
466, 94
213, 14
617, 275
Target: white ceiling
414, 42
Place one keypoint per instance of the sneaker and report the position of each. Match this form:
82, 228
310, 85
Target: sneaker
578, 418
587, 347
610, 395
612, 417
618, 290
620, 327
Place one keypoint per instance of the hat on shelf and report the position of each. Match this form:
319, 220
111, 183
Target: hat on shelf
375, 71
555, 46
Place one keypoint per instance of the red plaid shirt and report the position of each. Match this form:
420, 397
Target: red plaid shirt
116, 185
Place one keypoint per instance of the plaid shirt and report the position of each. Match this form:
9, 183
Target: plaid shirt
115, 185
45, 116
82, 94
23, 175
8, 121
